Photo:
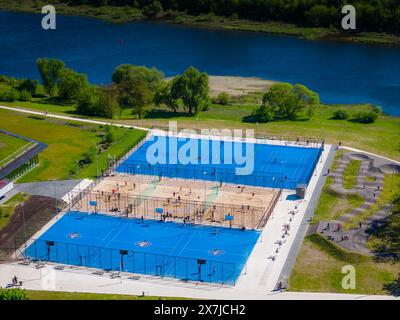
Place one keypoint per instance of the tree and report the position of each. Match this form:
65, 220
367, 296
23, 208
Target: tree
165, 95
192, 87
71, 84
50, 71
137, 87
138, 97
285, 101
88, 102
322, 16
152, 9
28, 85
109, 101
124, 72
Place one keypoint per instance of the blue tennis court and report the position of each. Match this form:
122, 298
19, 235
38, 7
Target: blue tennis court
177, 250
273, 166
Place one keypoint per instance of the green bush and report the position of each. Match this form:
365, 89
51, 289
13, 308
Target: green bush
110, 135
90, 155
28, 85
365, 117
222, 99
9, 95
13, 294
376, 109
340, 115
25, 96
263, 114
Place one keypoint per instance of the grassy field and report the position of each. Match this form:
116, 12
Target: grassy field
381, 137
67, 143
318, 268
211, 21
59, 295
10, 145
8, 208
350, 174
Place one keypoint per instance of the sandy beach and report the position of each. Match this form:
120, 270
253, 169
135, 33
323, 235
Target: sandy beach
236, 86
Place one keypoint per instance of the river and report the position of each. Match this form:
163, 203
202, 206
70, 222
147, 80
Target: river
339, 72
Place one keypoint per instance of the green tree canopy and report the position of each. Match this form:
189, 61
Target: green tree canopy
71, 84
29, 85
50, 71
192, 87
88, 102
285, 101
125, 72
165, 95
109, 101
137, 87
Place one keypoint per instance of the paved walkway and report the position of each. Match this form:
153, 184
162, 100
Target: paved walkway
49, 115
53, 189
83, 280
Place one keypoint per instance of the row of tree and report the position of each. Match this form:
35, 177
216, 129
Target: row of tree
372, 15
136, 88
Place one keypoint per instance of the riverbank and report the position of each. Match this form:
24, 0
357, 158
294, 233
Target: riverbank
237, 86
210, 21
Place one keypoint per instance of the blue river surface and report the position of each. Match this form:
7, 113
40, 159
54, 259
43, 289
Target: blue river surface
339, 72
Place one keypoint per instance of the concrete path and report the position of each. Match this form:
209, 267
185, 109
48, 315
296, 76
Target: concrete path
49, 115
47, 189
54, 189
51, 278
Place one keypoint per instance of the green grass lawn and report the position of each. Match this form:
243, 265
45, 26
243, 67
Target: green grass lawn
350, 174
381, 137
10, 145
67, 142
318, 268
59, 295
7, 209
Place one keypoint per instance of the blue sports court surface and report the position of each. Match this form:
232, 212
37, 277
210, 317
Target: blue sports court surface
274, 166
177, 250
